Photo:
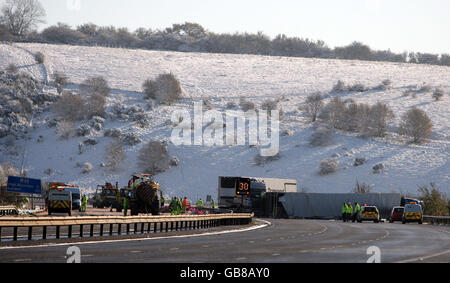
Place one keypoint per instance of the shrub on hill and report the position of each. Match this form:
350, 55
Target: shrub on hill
416, 124
438, 94
165, 88
246, 105
328, 166
154, 158
39, 57
70, 107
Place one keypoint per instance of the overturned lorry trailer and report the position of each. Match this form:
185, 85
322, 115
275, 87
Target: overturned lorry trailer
329, 206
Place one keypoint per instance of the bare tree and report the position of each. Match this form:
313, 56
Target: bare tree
362, 188
21, 16
64, 128
96, 90
114, 155
313, 106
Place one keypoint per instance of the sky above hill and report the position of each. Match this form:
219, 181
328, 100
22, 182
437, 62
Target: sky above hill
401, 25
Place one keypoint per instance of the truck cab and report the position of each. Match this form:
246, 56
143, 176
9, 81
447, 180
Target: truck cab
253, 201
76, 197
107, 196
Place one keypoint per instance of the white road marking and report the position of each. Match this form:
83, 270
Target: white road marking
22, 259
424, 257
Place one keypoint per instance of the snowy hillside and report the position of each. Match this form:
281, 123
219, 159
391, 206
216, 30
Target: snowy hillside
225, 78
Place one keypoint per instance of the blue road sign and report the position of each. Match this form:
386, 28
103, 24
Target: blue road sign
24, 185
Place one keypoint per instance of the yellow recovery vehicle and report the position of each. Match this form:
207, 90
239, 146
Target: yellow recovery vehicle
143, 194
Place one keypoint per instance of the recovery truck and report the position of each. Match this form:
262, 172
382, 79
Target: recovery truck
144, 196
107, 196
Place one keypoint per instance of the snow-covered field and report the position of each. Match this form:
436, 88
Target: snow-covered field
226, 78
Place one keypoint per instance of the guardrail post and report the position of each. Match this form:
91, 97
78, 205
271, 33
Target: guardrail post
142, 228
111, 227
119, 228
0, 234
155, 227
30, 233
190, 225
176, 225
92, 231
135, 228
57, 232
128, 228
167, 227
44, 232
81, 230
171, 225
15, 234
101, 230
70, 232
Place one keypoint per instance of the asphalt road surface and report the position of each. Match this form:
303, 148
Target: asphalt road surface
292, 241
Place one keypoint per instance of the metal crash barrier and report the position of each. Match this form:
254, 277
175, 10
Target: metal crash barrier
437, 219
114, 225
8, 210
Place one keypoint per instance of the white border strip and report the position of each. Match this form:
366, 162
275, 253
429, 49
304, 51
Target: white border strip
264, 225
418, 259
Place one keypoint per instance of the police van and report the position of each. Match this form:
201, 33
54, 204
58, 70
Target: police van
369, 213
412, 213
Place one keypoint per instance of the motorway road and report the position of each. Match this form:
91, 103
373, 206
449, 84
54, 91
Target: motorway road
293, 241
